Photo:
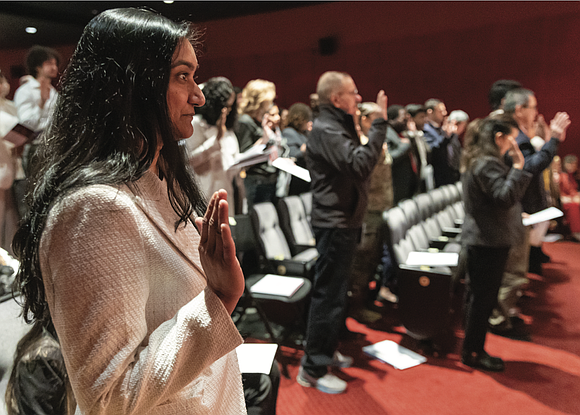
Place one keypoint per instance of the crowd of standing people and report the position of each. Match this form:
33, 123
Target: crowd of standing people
134, 170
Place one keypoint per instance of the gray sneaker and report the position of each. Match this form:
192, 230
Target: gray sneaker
327, 383
340, 360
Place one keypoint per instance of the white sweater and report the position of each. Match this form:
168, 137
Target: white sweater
141, 332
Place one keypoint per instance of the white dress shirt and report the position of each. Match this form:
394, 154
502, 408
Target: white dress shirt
27, 101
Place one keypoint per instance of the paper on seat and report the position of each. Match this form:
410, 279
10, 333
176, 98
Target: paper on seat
277, 285
433, 259
256, 357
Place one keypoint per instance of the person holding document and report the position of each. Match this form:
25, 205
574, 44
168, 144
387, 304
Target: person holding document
492, 192
522, 106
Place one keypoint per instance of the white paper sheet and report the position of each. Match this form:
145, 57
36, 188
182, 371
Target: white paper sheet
433, 259
289, 166
277, 285
251, 156
394, 354
256, 357
542, 216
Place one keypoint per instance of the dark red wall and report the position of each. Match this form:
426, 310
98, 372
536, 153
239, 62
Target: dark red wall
413, 50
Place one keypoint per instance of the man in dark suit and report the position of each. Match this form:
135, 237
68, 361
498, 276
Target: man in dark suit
443, 142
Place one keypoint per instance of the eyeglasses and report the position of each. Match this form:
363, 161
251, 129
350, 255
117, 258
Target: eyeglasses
355, 92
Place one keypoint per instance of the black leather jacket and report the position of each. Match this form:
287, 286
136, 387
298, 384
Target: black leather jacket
340, 167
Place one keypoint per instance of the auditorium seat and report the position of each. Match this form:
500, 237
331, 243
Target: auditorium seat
438, 199
424, 205
307, 201
289, 312
409, 207
425, 292
295, 225
274, 248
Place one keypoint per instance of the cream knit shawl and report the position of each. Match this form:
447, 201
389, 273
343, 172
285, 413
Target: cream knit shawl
141, 332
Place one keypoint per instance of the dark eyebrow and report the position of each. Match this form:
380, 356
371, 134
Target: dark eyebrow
188, 64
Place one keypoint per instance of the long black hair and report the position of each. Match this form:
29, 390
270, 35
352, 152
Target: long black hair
217, 92
480, 138
110, 118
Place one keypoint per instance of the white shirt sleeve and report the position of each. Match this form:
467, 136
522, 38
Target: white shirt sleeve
27, 101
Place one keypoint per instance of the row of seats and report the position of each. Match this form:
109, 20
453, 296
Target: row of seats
429, 222
283, 240
285, 236
277, 241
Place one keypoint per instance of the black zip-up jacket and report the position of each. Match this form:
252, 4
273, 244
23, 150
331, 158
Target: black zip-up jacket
340, 167
492, 194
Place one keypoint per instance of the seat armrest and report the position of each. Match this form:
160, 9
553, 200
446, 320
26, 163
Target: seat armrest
439, 243
302, 268
301, 248
451, 232
307, 255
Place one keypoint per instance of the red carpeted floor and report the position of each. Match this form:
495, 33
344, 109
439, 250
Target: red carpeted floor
541, 377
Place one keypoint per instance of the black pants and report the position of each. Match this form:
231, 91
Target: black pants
485, 267
336, 248
260, 189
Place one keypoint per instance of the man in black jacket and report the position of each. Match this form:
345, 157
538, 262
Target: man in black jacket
339, 168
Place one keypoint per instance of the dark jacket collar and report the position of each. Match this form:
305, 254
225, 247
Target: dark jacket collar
334, 112
328, 111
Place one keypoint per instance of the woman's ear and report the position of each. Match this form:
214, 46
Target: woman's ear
498, 136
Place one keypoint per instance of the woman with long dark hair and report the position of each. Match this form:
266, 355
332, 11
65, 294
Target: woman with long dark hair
492, 192
140, 300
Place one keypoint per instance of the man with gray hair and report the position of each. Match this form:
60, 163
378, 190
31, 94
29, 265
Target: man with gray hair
522, 105
340, 167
